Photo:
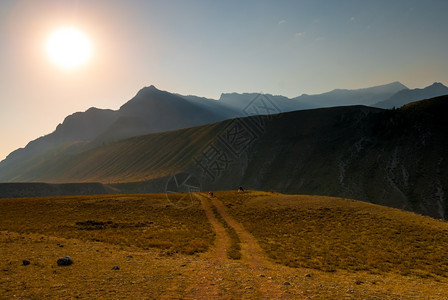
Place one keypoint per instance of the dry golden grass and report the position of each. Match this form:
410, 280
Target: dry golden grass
166, 253
131, 220
331, 234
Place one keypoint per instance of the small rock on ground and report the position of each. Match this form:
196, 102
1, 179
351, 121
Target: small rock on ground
65, 261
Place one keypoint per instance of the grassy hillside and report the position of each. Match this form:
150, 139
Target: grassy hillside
331, 234
289, 247
133, 159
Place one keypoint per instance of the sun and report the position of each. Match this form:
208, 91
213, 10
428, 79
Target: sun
68, 47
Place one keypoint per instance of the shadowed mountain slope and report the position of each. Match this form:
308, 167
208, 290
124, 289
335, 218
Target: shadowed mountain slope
395, 157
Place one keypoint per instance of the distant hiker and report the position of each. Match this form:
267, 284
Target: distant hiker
240, 189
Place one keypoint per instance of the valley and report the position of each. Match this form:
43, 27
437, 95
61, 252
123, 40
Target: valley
392, 157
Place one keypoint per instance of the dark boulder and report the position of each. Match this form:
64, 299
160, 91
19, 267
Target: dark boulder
26, 262
65, 261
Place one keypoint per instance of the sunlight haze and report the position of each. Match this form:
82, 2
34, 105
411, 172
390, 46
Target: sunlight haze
205, 48
68, 47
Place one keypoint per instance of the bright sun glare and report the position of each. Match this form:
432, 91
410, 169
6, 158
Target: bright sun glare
68, 47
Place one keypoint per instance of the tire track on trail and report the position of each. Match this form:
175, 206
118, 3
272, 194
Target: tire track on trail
222, 240
257, 265
251, 250
208, 278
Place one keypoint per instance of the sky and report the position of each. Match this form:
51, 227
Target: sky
205, 48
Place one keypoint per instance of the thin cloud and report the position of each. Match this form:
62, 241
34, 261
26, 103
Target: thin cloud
298, 34
281, 22
352, 19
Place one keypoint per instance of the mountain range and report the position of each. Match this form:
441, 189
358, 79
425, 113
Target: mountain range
153, 110
394, 157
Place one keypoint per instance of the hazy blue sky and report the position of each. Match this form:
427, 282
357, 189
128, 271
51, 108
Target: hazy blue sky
209, 47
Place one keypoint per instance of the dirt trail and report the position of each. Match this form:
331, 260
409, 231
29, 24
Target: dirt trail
208, 277
222, 241
258, 266
252, 251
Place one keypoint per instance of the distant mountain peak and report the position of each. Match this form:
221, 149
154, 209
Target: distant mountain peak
437, 85
407, 96
93, 109
148, 92
149, 88
396, 83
